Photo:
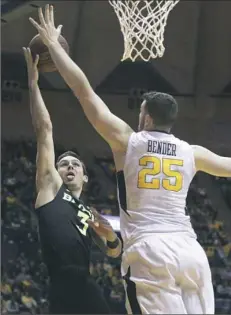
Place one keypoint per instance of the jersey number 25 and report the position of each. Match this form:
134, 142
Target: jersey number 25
158, 166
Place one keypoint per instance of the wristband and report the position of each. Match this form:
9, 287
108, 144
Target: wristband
114, 244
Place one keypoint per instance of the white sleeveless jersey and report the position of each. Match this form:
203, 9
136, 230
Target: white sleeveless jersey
153, 186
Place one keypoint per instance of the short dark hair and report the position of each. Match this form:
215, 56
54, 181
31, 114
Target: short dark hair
75, 155
162, 107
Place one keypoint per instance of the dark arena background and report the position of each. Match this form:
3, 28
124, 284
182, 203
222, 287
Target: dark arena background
196, 69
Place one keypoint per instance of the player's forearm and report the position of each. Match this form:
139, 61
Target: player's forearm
114, 252
94, 108
72, 74
223, 170
39, 113
114, 246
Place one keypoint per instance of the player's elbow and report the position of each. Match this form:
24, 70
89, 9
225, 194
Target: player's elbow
83, 91
78, 92
44, 126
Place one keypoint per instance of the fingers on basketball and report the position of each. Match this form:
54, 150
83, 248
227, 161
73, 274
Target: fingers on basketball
36, 60
26, 54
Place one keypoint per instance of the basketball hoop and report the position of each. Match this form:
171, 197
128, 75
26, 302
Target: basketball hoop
143, 24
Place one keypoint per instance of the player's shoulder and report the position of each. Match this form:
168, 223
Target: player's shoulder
181, 142
134, 138
143, 136
139, 136
202, 152
184, 148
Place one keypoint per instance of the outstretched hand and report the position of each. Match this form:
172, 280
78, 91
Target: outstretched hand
32, 66
102, 226
47, 30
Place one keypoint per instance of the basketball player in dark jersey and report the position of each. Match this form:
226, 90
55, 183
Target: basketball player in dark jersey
66, 225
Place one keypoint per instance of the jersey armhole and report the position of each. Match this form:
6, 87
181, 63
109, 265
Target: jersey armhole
48, 203
194, 170
129, 148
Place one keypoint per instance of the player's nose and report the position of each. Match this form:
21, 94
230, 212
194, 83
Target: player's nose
70, 167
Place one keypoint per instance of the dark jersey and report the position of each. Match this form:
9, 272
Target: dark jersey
64, 233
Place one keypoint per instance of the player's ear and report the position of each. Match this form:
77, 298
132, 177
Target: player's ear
148, 120
85, 178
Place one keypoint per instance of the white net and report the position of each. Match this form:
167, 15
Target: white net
143, 24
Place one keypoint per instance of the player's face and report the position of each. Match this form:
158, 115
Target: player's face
142, 117
71, 171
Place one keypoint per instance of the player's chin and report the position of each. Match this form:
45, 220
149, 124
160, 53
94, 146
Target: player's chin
71, 185
67, 181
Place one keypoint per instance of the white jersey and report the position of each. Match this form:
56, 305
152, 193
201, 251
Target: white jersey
153, 186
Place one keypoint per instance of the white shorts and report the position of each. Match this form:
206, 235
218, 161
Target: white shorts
167, 273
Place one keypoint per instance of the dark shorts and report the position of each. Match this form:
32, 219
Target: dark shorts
74, 291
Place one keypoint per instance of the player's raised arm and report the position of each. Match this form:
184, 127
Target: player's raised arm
115, 131
211, 163
46, 175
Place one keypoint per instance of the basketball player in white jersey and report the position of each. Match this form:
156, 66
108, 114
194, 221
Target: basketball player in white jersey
165, 269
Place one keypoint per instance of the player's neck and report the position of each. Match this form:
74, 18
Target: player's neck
76, 193
158, 129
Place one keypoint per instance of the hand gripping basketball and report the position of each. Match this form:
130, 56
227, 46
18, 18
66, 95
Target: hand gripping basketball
47, 30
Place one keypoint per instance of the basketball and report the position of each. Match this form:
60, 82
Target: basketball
37, 47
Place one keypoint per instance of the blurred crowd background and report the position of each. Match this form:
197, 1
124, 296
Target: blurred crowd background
24, 283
